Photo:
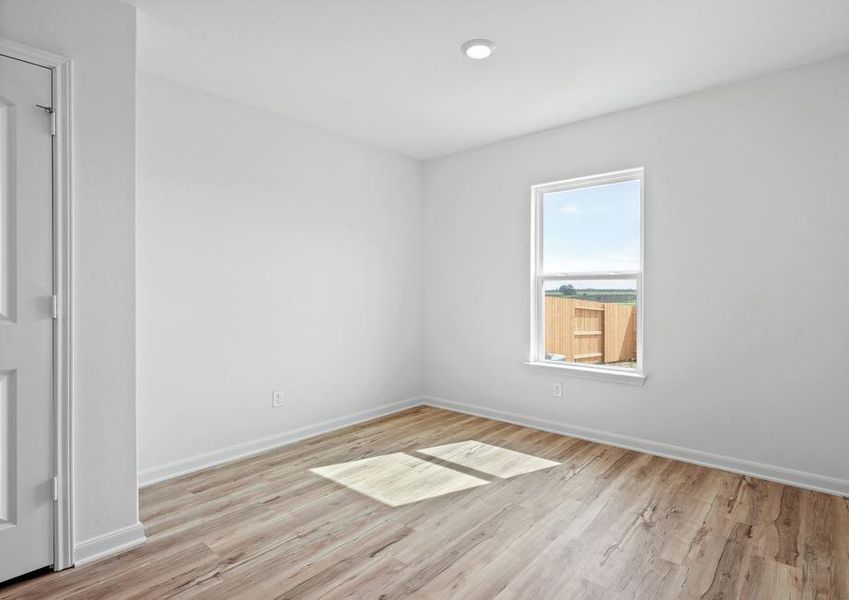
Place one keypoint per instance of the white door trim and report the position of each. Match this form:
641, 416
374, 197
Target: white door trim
60, 68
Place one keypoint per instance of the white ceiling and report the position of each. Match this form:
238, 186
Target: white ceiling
390, 72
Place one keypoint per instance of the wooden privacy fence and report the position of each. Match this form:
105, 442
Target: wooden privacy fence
590, 332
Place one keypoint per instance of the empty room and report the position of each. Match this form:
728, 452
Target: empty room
427, 299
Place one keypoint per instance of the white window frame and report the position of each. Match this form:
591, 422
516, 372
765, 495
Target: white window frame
539, 277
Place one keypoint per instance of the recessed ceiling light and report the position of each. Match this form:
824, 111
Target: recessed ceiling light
478, 49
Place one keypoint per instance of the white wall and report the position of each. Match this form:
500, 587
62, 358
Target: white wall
747, 234
99, 36
271, 256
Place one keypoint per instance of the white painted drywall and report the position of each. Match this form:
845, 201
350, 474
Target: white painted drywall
271, 256
99, 36
391, 72
747, 235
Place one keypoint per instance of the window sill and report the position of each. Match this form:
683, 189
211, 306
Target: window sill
601, 374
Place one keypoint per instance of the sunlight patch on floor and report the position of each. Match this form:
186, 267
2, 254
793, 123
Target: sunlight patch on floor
492, 460
398, 478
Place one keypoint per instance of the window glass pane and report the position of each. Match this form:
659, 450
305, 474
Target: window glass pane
591, 322
592, 229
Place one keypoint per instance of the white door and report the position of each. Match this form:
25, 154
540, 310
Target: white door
26, 319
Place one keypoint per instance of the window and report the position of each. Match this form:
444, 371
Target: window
587, 284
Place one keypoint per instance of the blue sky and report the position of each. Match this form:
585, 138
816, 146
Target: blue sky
593, 229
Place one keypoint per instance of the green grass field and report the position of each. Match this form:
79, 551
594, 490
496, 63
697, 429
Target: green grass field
599, 295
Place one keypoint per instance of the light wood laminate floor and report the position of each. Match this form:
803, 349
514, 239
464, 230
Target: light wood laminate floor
602, 523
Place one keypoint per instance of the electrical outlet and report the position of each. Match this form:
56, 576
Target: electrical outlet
276, 399
557, 390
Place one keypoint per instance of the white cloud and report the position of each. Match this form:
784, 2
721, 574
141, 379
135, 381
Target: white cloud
578, 209
623, 259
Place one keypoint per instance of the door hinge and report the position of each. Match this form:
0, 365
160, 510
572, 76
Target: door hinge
52, 114
55, 489
55, 301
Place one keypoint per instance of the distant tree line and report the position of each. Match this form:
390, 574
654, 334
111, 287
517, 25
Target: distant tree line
620, 296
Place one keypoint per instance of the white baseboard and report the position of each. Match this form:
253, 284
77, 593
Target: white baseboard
811, 481
185, 466
108, 544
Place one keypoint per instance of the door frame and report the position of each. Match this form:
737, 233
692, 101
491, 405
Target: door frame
63, 514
